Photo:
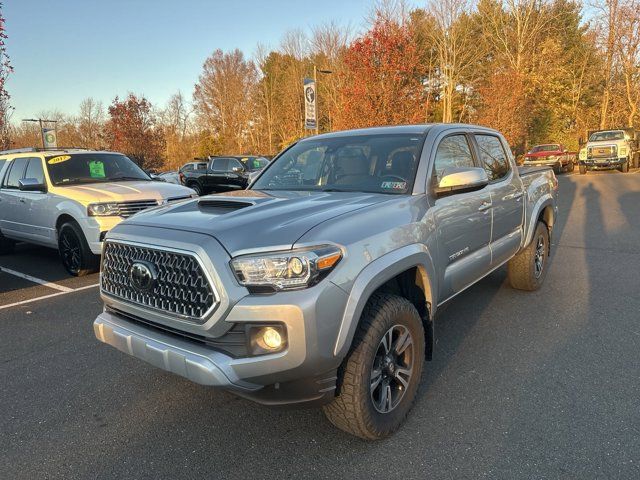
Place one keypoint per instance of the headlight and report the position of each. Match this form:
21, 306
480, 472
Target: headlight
552, 157
623, 150
103, 209
583, 154
288, 270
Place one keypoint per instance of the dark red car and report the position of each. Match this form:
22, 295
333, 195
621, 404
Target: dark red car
553, 155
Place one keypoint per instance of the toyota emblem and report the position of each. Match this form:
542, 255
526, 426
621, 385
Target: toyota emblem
142, 275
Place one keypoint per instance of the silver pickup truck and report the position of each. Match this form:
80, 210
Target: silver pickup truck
320, 283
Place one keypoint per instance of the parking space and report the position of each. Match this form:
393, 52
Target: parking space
33, 273
523, 385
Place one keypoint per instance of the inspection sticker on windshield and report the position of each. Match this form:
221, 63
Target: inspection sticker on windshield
58, 159
96, 169
394, 185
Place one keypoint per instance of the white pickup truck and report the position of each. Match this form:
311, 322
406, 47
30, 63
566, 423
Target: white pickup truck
70, 199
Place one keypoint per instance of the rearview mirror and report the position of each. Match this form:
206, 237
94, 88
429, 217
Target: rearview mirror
457, 180
31, 185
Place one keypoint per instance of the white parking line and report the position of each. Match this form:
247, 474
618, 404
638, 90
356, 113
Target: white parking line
36, 280
47, 296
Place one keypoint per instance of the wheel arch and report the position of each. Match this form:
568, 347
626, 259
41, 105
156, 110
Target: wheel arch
408, 272
544, 210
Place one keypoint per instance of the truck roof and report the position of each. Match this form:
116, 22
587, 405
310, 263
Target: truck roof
417, 129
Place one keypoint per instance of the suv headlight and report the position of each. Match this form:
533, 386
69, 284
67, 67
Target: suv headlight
287, 270
103, 209
583, 154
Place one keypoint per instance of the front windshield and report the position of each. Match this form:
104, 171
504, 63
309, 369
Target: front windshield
545, 148
254, 163
605, 136
76, 168
363, 163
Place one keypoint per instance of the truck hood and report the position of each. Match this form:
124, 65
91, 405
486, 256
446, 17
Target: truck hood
122, 191
252, 219
543, 154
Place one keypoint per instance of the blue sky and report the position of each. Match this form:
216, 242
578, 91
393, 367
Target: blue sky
67, 50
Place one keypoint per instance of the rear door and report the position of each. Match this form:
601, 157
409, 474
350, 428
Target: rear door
507, 200
463, 221
217, 178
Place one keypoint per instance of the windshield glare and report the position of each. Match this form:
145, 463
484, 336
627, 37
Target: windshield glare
77, 168
366, 163
602, 136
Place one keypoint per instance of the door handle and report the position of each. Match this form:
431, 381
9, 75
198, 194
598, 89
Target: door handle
22, 200
485, 206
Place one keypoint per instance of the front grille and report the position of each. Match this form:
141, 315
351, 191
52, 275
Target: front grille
126, 209
180, 288
602, 152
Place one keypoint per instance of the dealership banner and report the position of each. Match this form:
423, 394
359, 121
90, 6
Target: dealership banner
49, 137
310, 120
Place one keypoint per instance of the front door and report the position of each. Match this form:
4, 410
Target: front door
463, 221
217, 177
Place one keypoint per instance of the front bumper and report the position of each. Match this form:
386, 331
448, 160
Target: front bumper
543, 163
603, 163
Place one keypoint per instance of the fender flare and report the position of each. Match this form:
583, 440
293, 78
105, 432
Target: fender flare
374, 275
542, 203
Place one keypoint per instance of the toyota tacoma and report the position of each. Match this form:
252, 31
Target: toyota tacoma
319, 284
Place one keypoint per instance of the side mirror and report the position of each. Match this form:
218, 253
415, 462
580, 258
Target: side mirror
457, 180
237, 169
31, 185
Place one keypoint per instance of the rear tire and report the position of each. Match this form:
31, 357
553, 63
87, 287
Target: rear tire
528, 268
378, 385
582, 169
74, 250
196, 187
636, 160
6, 245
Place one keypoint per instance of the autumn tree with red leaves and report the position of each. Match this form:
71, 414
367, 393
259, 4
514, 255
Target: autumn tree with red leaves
133, 129
383, 84
5, 70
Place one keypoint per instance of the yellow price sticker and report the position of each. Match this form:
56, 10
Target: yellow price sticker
58, 159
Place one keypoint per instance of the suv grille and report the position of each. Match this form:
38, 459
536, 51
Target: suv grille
180, 288
126, 209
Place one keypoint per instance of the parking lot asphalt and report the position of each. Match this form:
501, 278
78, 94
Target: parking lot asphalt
523, 385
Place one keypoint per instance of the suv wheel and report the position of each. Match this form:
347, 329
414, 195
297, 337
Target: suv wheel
196, 188
582, 169
381, 374
6, 245
528, 268
74, 250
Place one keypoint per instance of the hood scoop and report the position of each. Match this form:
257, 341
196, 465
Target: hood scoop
220, 206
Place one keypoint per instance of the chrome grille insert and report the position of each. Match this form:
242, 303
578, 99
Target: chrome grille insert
126, 209
181, 287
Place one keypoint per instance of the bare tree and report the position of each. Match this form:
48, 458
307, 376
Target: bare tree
90, 122
628, 53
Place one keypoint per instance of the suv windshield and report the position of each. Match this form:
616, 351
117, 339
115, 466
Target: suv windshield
77, 168
363, 163
601, 136
545, 148
254, 163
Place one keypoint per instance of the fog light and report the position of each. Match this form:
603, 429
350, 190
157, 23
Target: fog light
267, 339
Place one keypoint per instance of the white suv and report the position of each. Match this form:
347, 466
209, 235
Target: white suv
69, 200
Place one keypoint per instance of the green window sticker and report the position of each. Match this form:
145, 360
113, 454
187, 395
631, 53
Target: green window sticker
96, 169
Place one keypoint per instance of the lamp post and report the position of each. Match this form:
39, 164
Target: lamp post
316, 71
41, 121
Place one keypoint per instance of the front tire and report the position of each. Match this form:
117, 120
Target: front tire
528, 268
380, 376
625, 167
74, 250
6, 246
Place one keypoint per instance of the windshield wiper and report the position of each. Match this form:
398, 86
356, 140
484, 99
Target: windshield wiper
119, 179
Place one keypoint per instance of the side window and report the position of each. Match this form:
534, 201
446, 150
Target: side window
2, 162
220, 165
453, 152
233, 163
34, 170
493, 157
188, 167
16, 169
201, 166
